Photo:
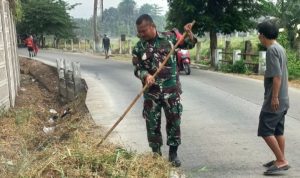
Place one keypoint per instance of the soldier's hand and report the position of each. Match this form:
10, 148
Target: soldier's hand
188, 27
149, 80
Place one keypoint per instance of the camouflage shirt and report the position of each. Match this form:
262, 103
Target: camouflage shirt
147, 57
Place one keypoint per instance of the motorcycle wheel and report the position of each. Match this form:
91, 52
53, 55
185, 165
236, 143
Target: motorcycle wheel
187, 69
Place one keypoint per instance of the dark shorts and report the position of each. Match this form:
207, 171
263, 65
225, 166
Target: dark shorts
106, 49
271, 124
30, 48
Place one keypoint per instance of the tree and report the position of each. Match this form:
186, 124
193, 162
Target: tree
127, 14
121, 20
15, 6
214, 16
84, 28
46, 17
287, 14
155, 12
110, 22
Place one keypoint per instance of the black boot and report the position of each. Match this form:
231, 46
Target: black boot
173, 158
156, 150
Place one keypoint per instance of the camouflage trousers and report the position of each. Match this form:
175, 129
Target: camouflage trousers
152, 114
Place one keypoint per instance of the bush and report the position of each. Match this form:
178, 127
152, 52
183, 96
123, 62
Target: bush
239, 67
283, 39
261, 47
205, 62
227, 68
293, 65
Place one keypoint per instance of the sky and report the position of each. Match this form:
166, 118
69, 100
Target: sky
85, 10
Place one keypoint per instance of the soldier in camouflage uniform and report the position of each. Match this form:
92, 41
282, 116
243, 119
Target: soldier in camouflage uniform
164, 91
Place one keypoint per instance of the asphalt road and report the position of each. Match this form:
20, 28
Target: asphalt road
219, 122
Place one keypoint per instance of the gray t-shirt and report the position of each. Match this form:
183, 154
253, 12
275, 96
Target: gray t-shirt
276, 64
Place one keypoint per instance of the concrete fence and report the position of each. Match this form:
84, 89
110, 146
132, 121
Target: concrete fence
9, 63
70, 84
257, 67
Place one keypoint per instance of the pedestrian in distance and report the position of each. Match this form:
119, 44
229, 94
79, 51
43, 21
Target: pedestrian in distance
164, 91
106, 45
276, 99
29, 43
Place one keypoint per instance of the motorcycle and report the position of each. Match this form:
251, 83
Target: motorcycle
183, 61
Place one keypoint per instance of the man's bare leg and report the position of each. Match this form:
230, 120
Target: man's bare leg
281, 142
276, 148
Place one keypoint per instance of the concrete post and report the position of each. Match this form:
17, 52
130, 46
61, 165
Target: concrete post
248, 50
227, 48
72, 45
236, 34
76, 78
79, 46
62, 86
262, 62
120, 45
198, 49
236, 55
94, 46
218, 54
69, 80
65, 44
129, 47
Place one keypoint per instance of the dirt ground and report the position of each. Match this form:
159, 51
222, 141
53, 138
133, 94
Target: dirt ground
37, 143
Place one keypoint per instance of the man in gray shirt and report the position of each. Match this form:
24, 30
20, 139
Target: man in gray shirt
276, 100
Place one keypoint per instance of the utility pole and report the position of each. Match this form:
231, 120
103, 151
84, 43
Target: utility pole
96, 37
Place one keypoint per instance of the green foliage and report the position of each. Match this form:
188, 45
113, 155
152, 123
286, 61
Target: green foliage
84, 28
155, 12
46, 17
293, 65
261, 47
239, 67
283, 40
21, 115
227, 68
204, 62
214, 16
248, 72
287, 15
15, 6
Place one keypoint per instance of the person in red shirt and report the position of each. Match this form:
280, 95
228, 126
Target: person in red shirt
30, 45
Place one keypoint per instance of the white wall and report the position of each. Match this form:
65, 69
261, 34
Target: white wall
9, 63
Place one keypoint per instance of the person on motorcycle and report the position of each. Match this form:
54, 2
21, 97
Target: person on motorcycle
182, 56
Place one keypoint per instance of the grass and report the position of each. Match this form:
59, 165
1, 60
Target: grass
71, 151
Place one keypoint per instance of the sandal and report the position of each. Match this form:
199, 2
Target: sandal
276, 170
269, 164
